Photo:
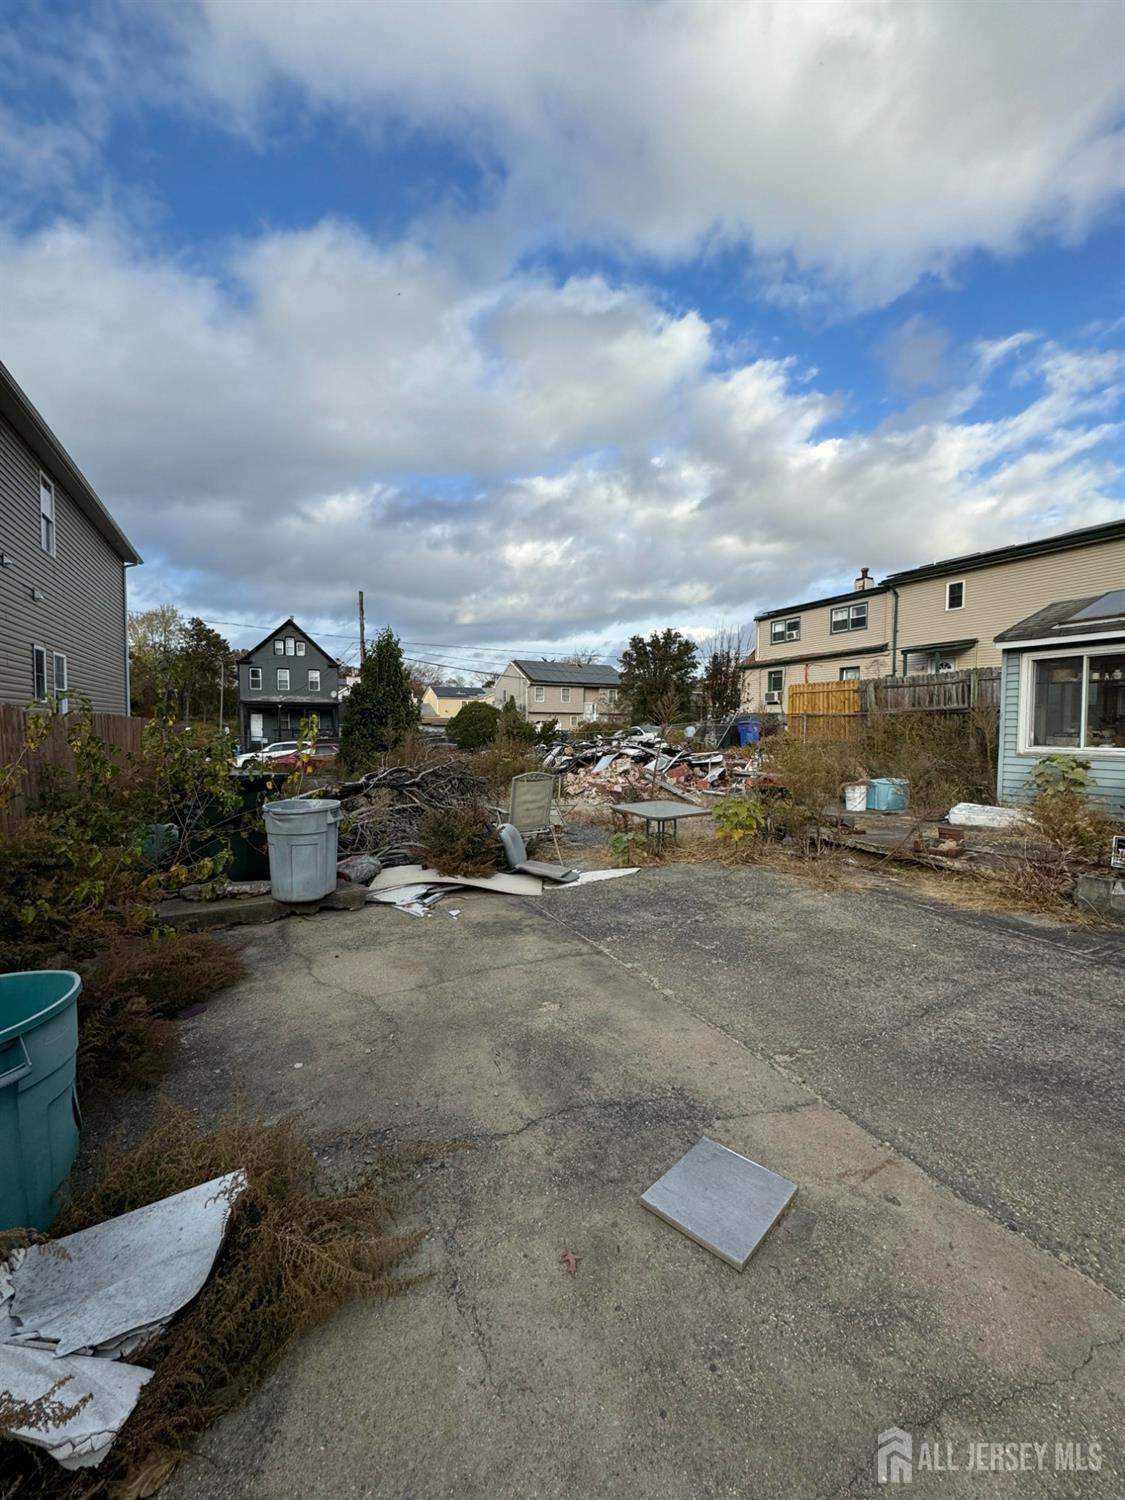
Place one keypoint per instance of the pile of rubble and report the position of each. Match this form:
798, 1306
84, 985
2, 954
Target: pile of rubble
629, 765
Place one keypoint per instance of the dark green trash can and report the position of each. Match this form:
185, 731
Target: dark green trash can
38, 1102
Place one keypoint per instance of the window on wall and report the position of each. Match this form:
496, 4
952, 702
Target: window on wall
283, 679
612, 695
314, 681
564, 694
1077, 702
278, 646
38, 673
47, 534
955, 594
290, 646
775, 680
300, 648
59, 681
255, 678
785, 630
540, 695
849, 674
849, 617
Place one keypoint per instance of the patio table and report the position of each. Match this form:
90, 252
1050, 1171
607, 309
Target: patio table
659, 815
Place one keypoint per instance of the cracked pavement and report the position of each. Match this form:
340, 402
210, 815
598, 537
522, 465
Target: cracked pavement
945, 1089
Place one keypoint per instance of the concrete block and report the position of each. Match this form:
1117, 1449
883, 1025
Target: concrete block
1104, 894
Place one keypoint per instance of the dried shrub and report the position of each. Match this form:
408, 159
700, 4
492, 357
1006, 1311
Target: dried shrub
502, 760
1076, 829
460, 841
291, 1258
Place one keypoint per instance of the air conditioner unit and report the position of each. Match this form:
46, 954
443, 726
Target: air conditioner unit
773, 697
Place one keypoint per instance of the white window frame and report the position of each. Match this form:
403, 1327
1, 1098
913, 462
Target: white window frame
540, 695
48, 516
852, 674
1026, 720
952, 583
849, 612
775, 672
300, 648
278, 646
314, 687
255, 673
780, 632
611, 694
39, 655
290, 646
59, 689
564, 695
283, 687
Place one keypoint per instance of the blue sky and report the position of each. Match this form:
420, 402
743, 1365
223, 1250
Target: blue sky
548, 323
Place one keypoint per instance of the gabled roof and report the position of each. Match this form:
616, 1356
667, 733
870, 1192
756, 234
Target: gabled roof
58, 464
1059, 621
289, 624
567, 673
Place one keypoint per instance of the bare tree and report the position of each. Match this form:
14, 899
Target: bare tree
720, 682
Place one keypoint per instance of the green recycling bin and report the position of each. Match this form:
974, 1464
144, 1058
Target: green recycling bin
38, 1102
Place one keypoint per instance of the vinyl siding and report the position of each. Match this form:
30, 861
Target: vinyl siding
816, 629
513, 684
269, 701
1013, 778
996, 597
83, 609
754, 678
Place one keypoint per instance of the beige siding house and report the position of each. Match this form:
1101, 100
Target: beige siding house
559, 690
942, 616
445, 699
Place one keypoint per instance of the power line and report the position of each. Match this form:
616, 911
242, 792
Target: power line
346, 635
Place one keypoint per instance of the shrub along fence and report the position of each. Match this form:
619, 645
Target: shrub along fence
124, 734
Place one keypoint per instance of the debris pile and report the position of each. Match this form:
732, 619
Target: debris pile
627, 766
383, 811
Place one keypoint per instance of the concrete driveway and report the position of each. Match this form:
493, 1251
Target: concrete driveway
945, 1089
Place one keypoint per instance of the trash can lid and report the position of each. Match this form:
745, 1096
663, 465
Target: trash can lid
292, 805
30, 998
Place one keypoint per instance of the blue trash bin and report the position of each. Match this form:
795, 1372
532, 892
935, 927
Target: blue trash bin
38, 1102
749, 732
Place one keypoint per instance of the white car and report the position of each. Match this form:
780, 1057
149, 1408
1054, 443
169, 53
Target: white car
276, 751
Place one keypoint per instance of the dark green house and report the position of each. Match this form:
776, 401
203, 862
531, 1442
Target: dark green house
281, 681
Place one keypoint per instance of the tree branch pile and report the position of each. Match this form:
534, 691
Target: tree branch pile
383, 811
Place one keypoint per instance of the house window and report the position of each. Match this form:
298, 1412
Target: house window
255, 678
564, 694
47, 537
849, 674
278, 647
38, 673
849, 617
314, 681
58, 673
955, 595
540, 694
612, 695
775, 680
300, 648
1078, 702
785, 630
290, 646
283, 679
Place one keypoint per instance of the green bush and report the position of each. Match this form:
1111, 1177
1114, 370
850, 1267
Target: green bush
380, 708
738, 818
473, 725
513, 726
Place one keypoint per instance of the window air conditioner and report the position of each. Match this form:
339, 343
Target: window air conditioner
773, 697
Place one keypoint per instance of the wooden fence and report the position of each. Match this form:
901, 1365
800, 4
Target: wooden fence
839, 710
122, 733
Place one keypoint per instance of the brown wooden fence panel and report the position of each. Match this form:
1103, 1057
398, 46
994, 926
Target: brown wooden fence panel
825, 710
122, 733
978, 687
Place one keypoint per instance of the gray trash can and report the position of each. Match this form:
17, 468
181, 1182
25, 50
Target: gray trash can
302, 833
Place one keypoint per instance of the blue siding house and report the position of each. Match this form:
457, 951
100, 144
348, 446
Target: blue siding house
1062, 692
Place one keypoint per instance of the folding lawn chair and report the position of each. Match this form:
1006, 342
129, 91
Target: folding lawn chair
515, 851
530, 800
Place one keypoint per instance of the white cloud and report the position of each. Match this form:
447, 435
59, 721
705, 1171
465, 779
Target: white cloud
860, 143
251, 432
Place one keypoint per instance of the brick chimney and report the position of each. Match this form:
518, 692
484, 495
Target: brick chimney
865, 580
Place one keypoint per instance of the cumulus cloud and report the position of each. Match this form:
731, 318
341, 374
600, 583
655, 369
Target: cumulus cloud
507, 460
859, 143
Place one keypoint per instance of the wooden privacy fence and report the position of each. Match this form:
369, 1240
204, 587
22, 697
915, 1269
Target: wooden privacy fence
122, 733
838, 710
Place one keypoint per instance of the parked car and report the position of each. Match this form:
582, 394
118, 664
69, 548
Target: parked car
324, 754
282, 755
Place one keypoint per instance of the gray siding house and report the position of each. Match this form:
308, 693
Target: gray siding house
1063, 693
63, 613
559, 690
281, 681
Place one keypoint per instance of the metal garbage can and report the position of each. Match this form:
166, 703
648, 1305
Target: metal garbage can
302, 834
38, 1104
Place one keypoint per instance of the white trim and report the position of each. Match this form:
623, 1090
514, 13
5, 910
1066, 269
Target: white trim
252, 686
952, 583
1024, 704
283, 687
314, 672
540, 693
1118, 632
48, 514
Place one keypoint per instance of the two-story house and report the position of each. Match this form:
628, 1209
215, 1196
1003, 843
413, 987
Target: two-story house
559, 690
285, 678
940, 617
63, 561
446, 699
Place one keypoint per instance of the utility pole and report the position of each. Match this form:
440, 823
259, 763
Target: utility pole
362, 636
